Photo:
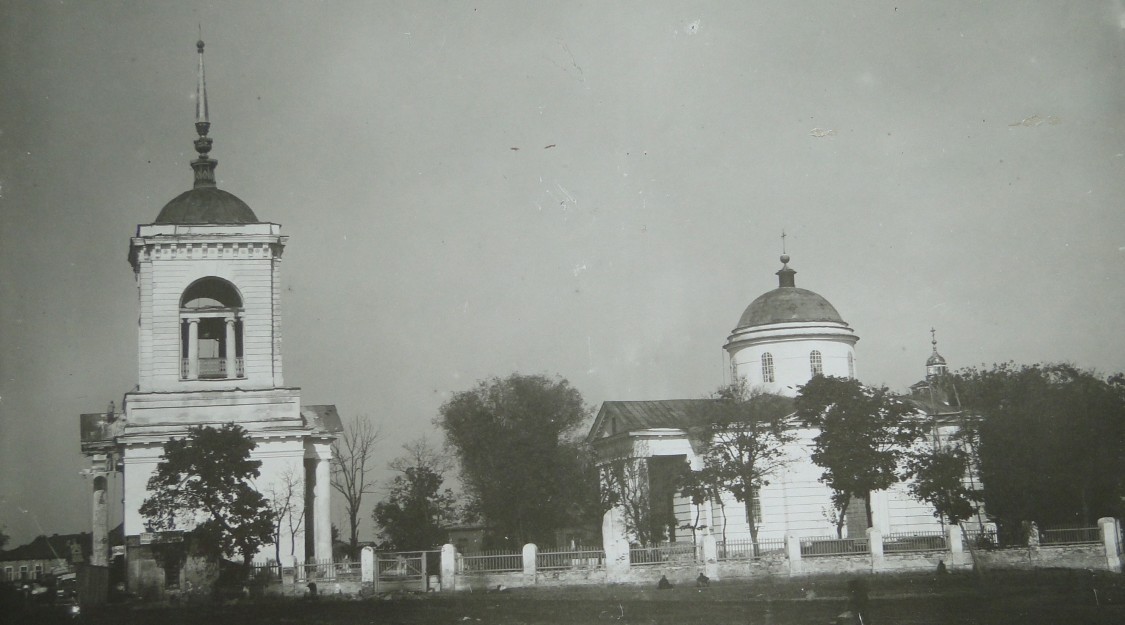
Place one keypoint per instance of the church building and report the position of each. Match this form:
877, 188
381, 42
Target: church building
210, 353
783, 338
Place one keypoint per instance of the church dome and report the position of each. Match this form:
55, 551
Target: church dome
935, 359
206, 205
788, 304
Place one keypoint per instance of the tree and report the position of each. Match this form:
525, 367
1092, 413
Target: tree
1051, 442
353, 458
287, 507
514, 439
4, 538
416, 510
864, 437
204, 484
742, 436
939, 479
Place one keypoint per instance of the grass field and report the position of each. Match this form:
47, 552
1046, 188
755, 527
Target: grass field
1054, 597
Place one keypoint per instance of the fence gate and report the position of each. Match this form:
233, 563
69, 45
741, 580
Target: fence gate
405, 570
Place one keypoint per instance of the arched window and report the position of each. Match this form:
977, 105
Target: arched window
851, 365
815, 364
211, 331
767, 368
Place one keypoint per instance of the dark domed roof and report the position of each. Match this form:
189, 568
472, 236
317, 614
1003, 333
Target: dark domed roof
206, 205
788, 304
935, 359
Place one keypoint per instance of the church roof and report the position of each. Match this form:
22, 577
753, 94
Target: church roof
654, 414
206, 205
322, 418
787, 303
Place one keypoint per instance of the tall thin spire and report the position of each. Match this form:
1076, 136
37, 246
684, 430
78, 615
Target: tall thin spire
204, 166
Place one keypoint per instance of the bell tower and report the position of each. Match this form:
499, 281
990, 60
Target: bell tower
209, 353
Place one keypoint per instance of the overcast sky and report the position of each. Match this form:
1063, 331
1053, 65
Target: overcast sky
589, 189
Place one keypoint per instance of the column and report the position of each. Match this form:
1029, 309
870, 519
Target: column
322, 501
193, 349
99, 555
232, 368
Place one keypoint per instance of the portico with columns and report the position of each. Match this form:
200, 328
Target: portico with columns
208, 274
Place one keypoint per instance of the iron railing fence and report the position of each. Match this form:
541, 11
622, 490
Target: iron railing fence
1070, 536
978, 538
743, 548
828, 546
575, 558
492, 561
663, 552
902, 542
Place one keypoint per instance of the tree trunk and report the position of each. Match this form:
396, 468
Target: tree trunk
749, 503
841, 519
867, 508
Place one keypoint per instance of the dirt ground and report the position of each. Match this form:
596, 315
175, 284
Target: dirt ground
1054, 597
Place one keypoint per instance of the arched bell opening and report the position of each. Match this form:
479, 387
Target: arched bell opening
211, 331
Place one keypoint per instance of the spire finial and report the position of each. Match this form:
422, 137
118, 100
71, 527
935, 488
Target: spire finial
933, 338
204, 166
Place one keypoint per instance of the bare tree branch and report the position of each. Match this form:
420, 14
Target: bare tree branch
353, 458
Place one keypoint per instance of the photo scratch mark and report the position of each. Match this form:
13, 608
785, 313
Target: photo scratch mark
821, 132
1036, 120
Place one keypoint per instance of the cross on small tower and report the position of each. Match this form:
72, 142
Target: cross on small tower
783, 241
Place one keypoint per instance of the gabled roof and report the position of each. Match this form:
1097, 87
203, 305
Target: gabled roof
629, 416
322, 418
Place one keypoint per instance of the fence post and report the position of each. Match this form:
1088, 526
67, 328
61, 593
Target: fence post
875, 546
448, 568
616, 546
530, 551
710, 556
793, 553
956, 544
1108, 528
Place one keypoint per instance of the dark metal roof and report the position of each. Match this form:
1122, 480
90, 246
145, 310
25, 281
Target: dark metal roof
206, 205
322, 418
628, 416
785, 305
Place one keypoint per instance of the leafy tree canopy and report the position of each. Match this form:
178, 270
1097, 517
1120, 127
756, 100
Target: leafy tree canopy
1050, 440
416, 509
864, 437
939, 480
204, 484
742, 436
520, 464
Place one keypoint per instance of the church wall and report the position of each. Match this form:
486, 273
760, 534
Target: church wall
278, 456
160, 318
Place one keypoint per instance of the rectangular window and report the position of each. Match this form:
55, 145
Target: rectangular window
816, 367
